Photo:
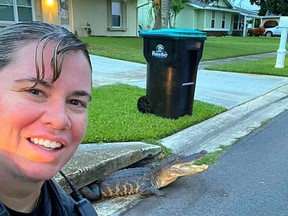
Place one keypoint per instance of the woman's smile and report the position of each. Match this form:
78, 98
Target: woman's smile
48, 144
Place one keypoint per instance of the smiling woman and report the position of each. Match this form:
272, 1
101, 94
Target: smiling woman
45, 90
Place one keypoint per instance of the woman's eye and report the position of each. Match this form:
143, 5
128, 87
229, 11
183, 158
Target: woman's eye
35, 92
78, 103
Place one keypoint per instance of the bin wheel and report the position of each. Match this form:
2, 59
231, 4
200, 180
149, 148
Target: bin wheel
144, 105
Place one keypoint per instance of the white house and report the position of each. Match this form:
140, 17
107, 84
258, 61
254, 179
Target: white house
217, 18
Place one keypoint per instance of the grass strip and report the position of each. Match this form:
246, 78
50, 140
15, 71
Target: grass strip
114, 117
261, 67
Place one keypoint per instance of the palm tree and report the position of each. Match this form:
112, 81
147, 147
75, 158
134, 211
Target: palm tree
165, 13
156, 4
175, 7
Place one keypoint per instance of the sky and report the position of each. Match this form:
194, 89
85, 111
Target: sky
244, 4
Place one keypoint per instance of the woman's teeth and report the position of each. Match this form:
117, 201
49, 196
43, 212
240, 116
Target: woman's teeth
46, 143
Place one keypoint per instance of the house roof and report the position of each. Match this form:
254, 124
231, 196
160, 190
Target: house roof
271, 17
246, 12
212, 6
230, 8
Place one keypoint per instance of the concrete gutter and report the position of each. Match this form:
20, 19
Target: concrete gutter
92, 162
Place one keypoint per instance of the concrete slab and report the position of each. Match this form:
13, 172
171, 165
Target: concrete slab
229, 89
108, 71
92, 162
107, 65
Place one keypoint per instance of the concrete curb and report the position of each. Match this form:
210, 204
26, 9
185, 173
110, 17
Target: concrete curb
226, 128
92, 162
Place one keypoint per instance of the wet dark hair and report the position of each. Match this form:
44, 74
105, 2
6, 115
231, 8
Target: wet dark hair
14, 37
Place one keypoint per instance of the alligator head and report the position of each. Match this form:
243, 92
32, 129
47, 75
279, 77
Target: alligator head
178, 166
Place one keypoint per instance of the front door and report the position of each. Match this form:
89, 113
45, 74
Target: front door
64, 14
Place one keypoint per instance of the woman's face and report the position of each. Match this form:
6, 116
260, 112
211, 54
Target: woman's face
41, 126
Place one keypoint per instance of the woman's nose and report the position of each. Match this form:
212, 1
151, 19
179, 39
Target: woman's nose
56, 116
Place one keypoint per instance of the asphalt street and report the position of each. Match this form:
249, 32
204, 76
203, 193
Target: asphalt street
250, 178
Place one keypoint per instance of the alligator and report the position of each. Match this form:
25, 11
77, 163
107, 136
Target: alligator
144, 180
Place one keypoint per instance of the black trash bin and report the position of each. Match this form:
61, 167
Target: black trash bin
172, 57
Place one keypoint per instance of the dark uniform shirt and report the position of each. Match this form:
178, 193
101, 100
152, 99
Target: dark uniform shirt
53, 202
43, 207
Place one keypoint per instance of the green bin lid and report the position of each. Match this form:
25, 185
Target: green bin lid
174, 33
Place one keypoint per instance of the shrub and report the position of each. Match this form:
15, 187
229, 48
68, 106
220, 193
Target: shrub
256, 31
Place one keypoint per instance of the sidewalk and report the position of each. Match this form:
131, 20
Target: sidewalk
211, 87
251, 100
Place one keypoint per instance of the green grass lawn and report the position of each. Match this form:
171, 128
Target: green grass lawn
131, 49
114, 117
262, 67
223, 47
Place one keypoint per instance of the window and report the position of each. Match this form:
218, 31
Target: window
235, 22
15, 10
270, 23
24, 8
238, 22
64, 13
223, 20
213, 15
117, 15
6, 10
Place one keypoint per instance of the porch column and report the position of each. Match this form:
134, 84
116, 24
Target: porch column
245, 26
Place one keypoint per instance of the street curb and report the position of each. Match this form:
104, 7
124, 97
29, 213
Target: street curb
226, 128
92, 162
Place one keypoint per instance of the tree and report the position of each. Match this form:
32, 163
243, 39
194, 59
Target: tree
176, 6
156, 7
276, 7
166, 10
165, 13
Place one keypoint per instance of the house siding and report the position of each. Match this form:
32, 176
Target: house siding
201, 19
222, 3
145, 20
95, 13
218, 21
196, 19
208, 15
38, 10
186, 19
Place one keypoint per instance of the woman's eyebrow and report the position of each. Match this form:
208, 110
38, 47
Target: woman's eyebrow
82, 93
34, 80
79, 93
